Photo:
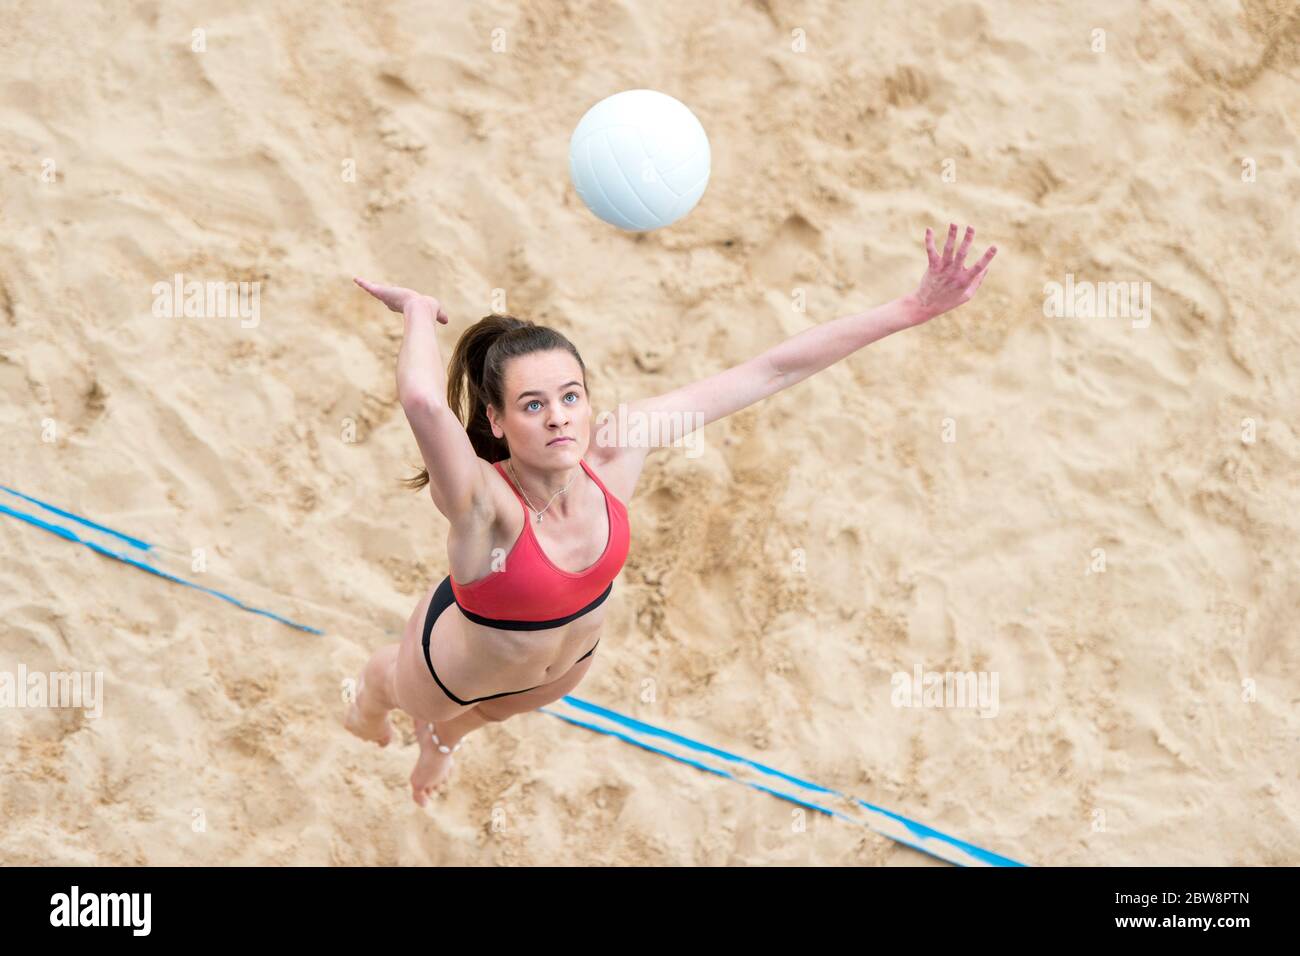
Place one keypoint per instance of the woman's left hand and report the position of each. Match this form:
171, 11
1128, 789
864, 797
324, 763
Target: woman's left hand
947, 283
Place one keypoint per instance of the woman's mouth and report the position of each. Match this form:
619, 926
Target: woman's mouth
559, 441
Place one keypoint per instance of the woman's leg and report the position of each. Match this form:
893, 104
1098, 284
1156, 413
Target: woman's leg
389, 681
376, 696
433, 766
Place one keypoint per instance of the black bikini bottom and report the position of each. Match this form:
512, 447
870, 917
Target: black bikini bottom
444, 598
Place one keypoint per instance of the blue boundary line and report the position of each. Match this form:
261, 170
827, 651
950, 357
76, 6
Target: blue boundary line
919, 830
757, 786
696, 764
133, 542
71, 535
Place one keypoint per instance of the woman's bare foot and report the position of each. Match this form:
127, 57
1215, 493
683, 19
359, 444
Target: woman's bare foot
430, 774
432, 767
375, 728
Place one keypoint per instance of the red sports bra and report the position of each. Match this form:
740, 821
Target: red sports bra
529, 592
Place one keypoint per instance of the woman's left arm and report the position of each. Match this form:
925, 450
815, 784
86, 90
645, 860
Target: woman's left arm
947, 284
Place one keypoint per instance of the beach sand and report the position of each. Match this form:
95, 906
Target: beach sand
1102, 514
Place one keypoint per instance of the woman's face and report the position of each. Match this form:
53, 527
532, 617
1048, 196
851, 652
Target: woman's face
545, 400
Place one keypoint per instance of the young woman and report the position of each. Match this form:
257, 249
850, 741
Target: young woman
537, 513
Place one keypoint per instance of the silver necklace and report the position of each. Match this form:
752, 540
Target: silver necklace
519, 484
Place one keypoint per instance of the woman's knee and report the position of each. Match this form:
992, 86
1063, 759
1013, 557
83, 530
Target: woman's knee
378, 675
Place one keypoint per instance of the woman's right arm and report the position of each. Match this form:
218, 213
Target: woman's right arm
458, 477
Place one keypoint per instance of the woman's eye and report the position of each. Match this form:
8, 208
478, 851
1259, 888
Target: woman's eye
537, 402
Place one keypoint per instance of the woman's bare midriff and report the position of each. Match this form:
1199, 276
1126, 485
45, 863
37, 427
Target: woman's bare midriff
478, 661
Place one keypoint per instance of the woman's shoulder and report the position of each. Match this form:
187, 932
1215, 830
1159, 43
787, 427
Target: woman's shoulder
503, 504
617, 470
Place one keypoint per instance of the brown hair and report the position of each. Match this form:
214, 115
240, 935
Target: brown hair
476, 377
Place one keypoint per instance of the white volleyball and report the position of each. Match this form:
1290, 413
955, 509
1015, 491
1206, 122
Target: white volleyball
639, 159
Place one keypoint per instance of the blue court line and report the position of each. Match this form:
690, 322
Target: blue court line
694, 763
776, 793
920, 830
133, 542
71, 535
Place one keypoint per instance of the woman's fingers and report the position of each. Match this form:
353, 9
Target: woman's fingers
947, 246
951, 256
948, 283
373, 288
930, 250
981, 270
985, 259
393, 296
965, 245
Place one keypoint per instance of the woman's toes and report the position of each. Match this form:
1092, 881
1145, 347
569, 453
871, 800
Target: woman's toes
431, 772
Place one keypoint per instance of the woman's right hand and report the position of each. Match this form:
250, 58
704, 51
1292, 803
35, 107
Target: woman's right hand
399, 299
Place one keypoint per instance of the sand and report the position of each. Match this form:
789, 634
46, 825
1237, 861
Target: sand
1103, 515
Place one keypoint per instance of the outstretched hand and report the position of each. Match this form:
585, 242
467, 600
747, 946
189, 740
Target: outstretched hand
947, 282
399, 299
